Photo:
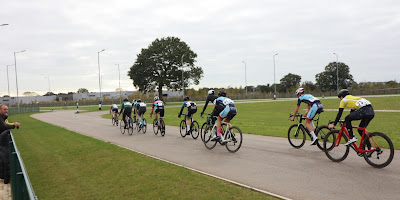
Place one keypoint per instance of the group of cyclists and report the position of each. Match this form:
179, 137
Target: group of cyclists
224, 108
360, 109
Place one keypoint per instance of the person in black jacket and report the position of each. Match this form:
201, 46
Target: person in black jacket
210, 98
4, 124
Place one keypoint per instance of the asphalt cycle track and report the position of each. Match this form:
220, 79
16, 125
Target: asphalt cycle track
267, 164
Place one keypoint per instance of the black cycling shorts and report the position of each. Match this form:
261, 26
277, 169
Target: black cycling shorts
141, 110
160, 112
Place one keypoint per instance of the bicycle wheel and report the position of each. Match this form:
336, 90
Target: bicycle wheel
297, 136
336, 150
208, 134
384, 150
202, 131
116, 121
144, 128
195, 129
155, 126
182, 128
122, 127
235, 139
162, 123
112, 120
321, 133
130, 126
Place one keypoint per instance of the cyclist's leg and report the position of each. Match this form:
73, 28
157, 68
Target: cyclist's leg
369, 115
221, 116
162, 117
355, 115
188, 117
310, 116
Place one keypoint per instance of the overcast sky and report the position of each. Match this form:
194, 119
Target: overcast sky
62, 38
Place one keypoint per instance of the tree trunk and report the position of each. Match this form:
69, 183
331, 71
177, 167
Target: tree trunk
160, 91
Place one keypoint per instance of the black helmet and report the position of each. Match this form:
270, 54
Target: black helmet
186, 98
222, 93
343, 93
126, 99
139, 100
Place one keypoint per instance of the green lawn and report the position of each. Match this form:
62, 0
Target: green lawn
66, 165
272, 118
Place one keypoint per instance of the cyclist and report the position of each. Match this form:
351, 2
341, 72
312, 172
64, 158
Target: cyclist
225, 108
159, 107
114, 109
134, 109
360, 109
210, 98
141, 109
192, 108
126, 108
314, 107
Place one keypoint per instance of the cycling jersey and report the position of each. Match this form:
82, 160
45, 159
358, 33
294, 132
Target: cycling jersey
191, 106
141, 107
353, 102
126, 104
210, 98
308, 99
114, 106
158, 105
225, 107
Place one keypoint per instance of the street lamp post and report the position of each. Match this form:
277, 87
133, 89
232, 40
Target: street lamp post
183, 83
119, 78
98, 63
16, 76
8, 80
274, 77
245, 77
337, 72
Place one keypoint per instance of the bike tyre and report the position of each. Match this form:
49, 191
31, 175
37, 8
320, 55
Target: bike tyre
236, 145
321, 133
122, 127
182, 128
370, 159
330, 149
301, 133
155, 126
195, 129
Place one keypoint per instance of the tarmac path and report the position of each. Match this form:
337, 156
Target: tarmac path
265, 163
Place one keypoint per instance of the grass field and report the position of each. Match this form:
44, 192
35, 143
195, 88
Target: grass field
271, 118
66, 165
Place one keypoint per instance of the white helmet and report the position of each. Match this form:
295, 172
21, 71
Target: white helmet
156, 98
211, 92
299, 91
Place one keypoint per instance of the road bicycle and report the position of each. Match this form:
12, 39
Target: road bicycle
376, 148
114, 119
129, 125
194, 128
141, 127
209, 122
297, 132
159, 126
232, 137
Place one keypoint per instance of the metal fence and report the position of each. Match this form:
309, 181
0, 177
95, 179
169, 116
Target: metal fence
21, 187
23, 109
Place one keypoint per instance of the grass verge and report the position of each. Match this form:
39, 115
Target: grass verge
66, 165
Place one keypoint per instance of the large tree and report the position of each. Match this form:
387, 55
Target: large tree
160, 66
82, 90
327, 81
290, 81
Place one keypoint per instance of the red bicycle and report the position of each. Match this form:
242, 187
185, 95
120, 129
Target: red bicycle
376, 148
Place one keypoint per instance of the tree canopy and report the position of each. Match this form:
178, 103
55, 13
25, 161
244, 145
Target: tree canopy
82, 90
327, 80
290, 81
160, 66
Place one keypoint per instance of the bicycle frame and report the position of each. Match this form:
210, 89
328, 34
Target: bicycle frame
299, 122
223, 134
354, 145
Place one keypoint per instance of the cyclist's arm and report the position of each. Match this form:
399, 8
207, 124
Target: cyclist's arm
296, 110
338, 116
152, 109
205, 106
183, 106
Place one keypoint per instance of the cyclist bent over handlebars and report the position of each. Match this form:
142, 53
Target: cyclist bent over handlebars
226, 109
127, 109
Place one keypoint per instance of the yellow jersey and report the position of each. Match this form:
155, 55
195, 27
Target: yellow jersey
353, 102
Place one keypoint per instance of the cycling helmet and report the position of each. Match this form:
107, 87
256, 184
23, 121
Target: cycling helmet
126, 99
222, 93
139, 100
343, 93
300, 91
211, 92
156, 98
186, 99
